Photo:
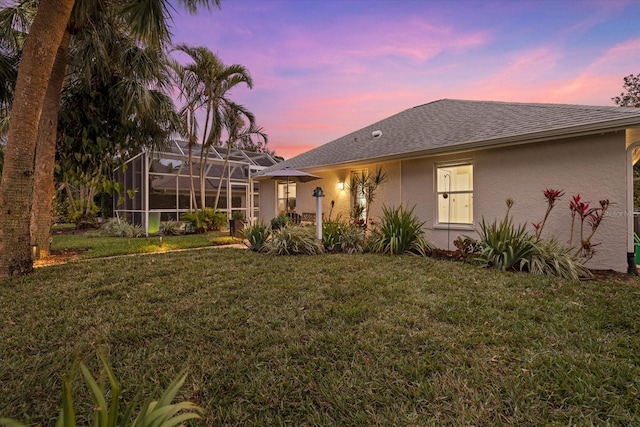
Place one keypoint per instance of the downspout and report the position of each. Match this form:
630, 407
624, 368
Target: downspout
631, 259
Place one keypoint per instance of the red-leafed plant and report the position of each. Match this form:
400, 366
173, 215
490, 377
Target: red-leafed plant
552, 196
592, 216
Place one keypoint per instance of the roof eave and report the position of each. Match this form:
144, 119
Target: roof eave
572, 132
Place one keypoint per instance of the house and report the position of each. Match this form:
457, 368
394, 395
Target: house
457, 161
155, 185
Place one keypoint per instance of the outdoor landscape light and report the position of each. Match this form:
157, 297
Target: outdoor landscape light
318, 192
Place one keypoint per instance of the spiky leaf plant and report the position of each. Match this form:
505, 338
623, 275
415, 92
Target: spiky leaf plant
156, 413
399, 232
504, 245
171, 228
353, 240
257, 235
332, 234
294, 240
120, 228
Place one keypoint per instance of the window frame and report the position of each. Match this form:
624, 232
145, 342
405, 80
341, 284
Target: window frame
287, 196
443, 223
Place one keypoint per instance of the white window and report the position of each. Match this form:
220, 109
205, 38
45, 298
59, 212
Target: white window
286, 197
455, 194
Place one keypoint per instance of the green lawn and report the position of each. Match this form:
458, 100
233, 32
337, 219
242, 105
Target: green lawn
328, 340
94, 246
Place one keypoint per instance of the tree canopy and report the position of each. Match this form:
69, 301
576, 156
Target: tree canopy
55, 21
630, 98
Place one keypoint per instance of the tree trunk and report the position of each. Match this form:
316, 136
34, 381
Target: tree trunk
224, 169
43, 187
16, 188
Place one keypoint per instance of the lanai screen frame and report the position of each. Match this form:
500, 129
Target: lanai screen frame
134, 203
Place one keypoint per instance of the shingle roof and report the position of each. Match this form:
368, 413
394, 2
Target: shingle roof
450, 125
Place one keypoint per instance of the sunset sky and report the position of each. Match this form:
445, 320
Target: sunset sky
324, 68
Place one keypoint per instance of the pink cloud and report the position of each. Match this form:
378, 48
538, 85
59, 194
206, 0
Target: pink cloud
317, 80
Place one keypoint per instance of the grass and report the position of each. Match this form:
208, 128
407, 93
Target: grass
356, 340
97, 247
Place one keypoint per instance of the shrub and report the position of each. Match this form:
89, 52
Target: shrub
257, 235
120, 228
504, 246
279, 222
293, 240
332, 234
399, 232
206, 219
550, 258
353, 240
466, 245
151, 413
171, 228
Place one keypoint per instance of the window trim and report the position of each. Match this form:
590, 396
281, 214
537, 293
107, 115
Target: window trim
438, 224
286, 198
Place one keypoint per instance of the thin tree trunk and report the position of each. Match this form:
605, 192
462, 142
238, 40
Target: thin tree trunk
44, 188
224, 168
16, 188
194, 200
202, 156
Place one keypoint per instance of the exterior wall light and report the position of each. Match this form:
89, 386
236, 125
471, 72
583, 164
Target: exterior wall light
340, 185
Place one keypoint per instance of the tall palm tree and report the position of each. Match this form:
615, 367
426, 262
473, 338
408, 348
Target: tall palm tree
241, 128
188, 82
147, 20
16, 189
208, 83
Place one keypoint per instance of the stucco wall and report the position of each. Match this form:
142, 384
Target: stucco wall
388, 193
594, 167
267, 199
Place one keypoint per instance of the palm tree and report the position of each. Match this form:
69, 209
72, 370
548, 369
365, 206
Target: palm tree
14, 24
236, 118
147, 21
112, 107
206, 84
16, 189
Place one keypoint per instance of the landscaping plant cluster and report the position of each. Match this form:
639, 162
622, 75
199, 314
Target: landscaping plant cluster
501, 244
505, 246
398, 232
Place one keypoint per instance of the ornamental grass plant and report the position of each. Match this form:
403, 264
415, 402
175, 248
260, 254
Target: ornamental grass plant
551, 258
293, 240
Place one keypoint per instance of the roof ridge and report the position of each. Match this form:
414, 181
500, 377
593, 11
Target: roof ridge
521, 103
448, 124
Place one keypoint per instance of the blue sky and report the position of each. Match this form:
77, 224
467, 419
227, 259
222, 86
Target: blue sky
324, 68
